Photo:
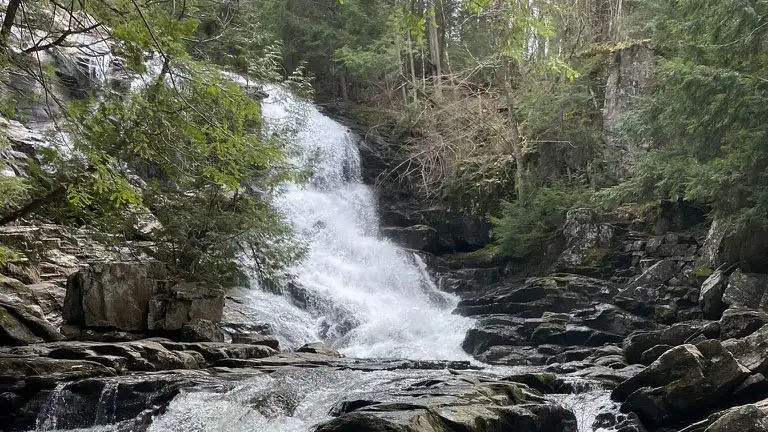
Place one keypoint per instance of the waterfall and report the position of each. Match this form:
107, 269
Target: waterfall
371, 298
48, 417
358, 292
107, 405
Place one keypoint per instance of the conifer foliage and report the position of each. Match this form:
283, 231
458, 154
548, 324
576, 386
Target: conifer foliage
181, 151
705, 117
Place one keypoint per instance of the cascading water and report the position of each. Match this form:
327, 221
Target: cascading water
371, 298
358, 292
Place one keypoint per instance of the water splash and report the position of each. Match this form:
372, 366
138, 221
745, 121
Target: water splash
288, 401
48, 417
107, 405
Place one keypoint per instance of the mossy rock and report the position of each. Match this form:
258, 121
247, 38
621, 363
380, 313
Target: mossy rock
665, 314
596, 257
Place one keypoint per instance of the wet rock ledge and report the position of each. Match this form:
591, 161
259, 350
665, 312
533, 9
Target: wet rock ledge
88, 338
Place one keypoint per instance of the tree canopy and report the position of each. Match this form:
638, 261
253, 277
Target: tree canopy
176, 143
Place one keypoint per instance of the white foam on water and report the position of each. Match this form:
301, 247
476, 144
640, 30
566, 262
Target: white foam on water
381, 287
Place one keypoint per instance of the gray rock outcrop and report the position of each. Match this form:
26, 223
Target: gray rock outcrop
685, 380
453, 404
711, 296
136, 297
22, 318
746, 290
629, 78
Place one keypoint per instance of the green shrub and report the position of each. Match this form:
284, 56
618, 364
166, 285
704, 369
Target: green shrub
527, 224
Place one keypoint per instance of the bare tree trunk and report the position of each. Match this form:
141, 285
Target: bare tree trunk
10, 17
343, 84
617, 20
515, 142
413, 66
403, 68
434, 54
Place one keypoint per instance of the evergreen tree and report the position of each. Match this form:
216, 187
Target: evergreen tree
704, 116
186, 147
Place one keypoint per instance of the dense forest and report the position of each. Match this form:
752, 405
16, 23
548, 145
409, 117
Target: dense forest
497, 106
494, 107
384, 215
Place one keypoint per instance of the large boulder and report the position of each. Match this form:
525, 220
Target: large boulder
738, 323
320, 348
588, 238
113, 295
684, 381
22, 325
202, 330
721, 246
746, 418
641, 341
13, 331
751, 351
22, 319
493, 331
711, 295
644, 294
171, 308
49, 298
745, 290
461, 403
743, 418
612, 319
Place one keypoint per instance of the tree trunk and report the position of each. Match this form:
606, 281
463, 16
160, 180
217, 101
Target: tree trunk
403, 68
515, 141
434, 53
413, 66
343, 84
33, 205
10, 17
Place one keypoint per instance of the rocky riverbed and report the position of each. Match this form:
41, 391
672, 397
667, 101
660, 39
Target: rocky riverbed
675, 347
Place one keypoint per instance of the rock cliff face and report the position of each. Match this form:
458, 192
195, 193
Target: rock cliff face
137, 297
628, 79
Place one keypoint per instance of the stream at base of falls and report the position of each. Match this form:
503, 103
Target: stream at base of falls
360, 293
296, 400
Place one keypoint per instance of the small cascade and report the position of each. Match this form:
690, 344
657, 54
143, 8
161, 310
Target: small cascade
587, 407
430, 287
48, 418
107, 405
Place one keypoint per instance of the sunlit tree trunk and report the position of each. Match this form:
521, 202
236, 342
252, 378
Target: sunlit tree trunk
413, 66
